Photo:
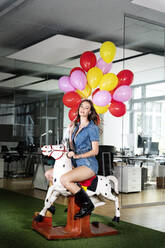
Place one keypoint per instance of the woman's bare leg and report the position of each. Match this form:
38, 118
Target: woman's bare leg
49, 175
78, 174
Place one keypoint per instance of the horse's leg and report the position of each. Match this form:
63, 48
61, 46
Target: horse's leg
117, 209
115, 183
104, 188
111, 197
49, 200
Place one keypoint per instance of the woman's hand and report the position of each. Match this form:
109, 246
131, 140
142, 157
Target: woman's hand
70, 154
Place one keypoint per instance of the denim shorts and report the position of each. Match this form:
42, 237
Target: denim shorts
90, 162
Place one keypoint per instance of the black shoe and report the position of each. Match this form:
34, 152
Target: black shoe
85, 203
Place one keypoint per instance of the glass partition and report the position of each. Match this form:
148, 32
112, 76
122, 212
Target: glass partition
31, 115
143, 152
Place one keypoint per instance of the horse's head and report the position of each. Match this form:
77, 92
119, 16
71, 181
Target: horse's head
55, 151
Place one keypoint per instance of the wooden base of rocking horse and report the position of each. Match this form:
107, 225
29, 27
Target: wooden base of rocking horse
79, 228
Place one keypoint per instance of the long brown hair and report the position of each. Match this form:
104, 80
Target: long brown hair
92, 116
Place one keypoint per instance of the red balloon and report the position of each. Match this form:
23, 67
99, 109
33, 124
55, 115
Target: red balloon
75, 69
73, 113
88, 60
117, 109
125, 77
71, 99
95, 91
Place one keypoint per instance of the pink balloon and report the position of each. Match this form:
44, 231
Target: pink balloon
65, 85
122, 94
105, 67
102, 98
78, 79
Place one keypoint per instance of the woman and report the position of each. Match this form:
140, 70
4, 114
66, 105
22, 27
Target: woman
84, 143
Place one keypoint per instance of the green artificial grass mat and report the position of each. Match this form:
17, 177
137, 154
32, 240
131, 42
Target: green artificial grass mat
16, 213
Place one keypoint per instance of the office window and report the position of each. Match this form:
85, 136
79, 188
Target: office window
149, 106
137, 93
158, 126
137, 106
158, 107
148, 124
154, 90
148, 116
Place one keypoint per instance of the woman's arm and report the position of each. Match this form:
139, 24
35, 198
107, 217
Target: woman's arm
93, 152
71, 128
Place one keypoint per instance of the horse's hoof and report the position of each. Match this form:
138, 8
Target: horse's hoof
117, 219
52, 209
38, 218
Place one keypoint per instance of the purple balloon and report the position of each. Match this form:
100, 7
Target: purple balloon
102, 98
122, 94
105, 67
65, 85
78, 79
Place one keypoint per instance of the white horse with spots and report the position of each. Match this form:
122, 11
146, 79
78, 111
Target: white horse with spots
100, 186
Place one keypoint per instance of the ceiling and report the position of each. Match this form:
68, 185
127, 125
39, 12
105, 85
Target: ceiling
43, 39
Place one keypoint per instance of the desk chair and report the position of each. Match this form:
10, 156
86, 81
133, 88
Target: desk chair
105, 160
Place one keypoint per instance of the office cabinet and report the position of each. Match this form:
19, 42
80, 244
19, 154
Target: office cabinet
129, 178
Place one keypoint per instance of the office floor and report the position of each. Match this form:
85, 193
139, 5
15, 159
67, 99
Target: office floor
150, 216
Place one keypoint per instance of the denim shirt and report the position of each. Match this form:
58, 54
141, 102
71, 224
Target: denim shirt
83, 140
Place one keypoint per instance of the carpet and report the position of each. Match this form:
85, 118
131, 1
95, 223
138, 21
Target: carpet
16, 211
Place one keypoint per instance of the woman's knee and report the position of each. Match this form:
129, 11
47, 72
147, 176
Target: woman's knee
64, 180
49, 174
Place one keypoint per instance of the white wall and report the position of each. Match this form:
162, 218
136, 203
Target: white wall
112, 130
116, 131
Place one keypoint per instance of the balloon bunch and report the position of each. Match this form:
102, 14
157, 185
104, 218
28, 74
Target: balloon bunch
93, 80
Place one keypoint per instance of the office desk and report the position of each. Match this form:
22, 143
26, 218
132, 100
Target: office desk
133, 159
16, 165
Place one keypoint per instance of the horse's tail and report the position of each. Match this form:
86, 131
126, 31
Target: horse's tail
115, 182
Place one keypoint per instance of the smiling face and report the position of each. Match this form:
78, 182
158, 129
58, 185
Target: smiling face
85, 109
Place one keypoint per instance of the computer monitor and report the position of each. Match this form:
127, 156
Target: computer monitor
144, 142
154, 148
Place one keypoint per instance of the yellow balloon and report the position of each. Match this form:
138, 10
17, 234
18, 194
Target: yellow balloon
108, 82
94, 76
86, 92
108, 51
101, 109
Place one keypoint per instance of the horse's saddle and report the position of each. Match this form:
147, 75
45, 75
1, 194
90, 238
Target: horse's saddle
90, 184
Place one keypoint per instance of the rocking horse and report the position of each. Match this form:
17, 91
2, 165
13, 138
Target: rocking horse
97, 186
